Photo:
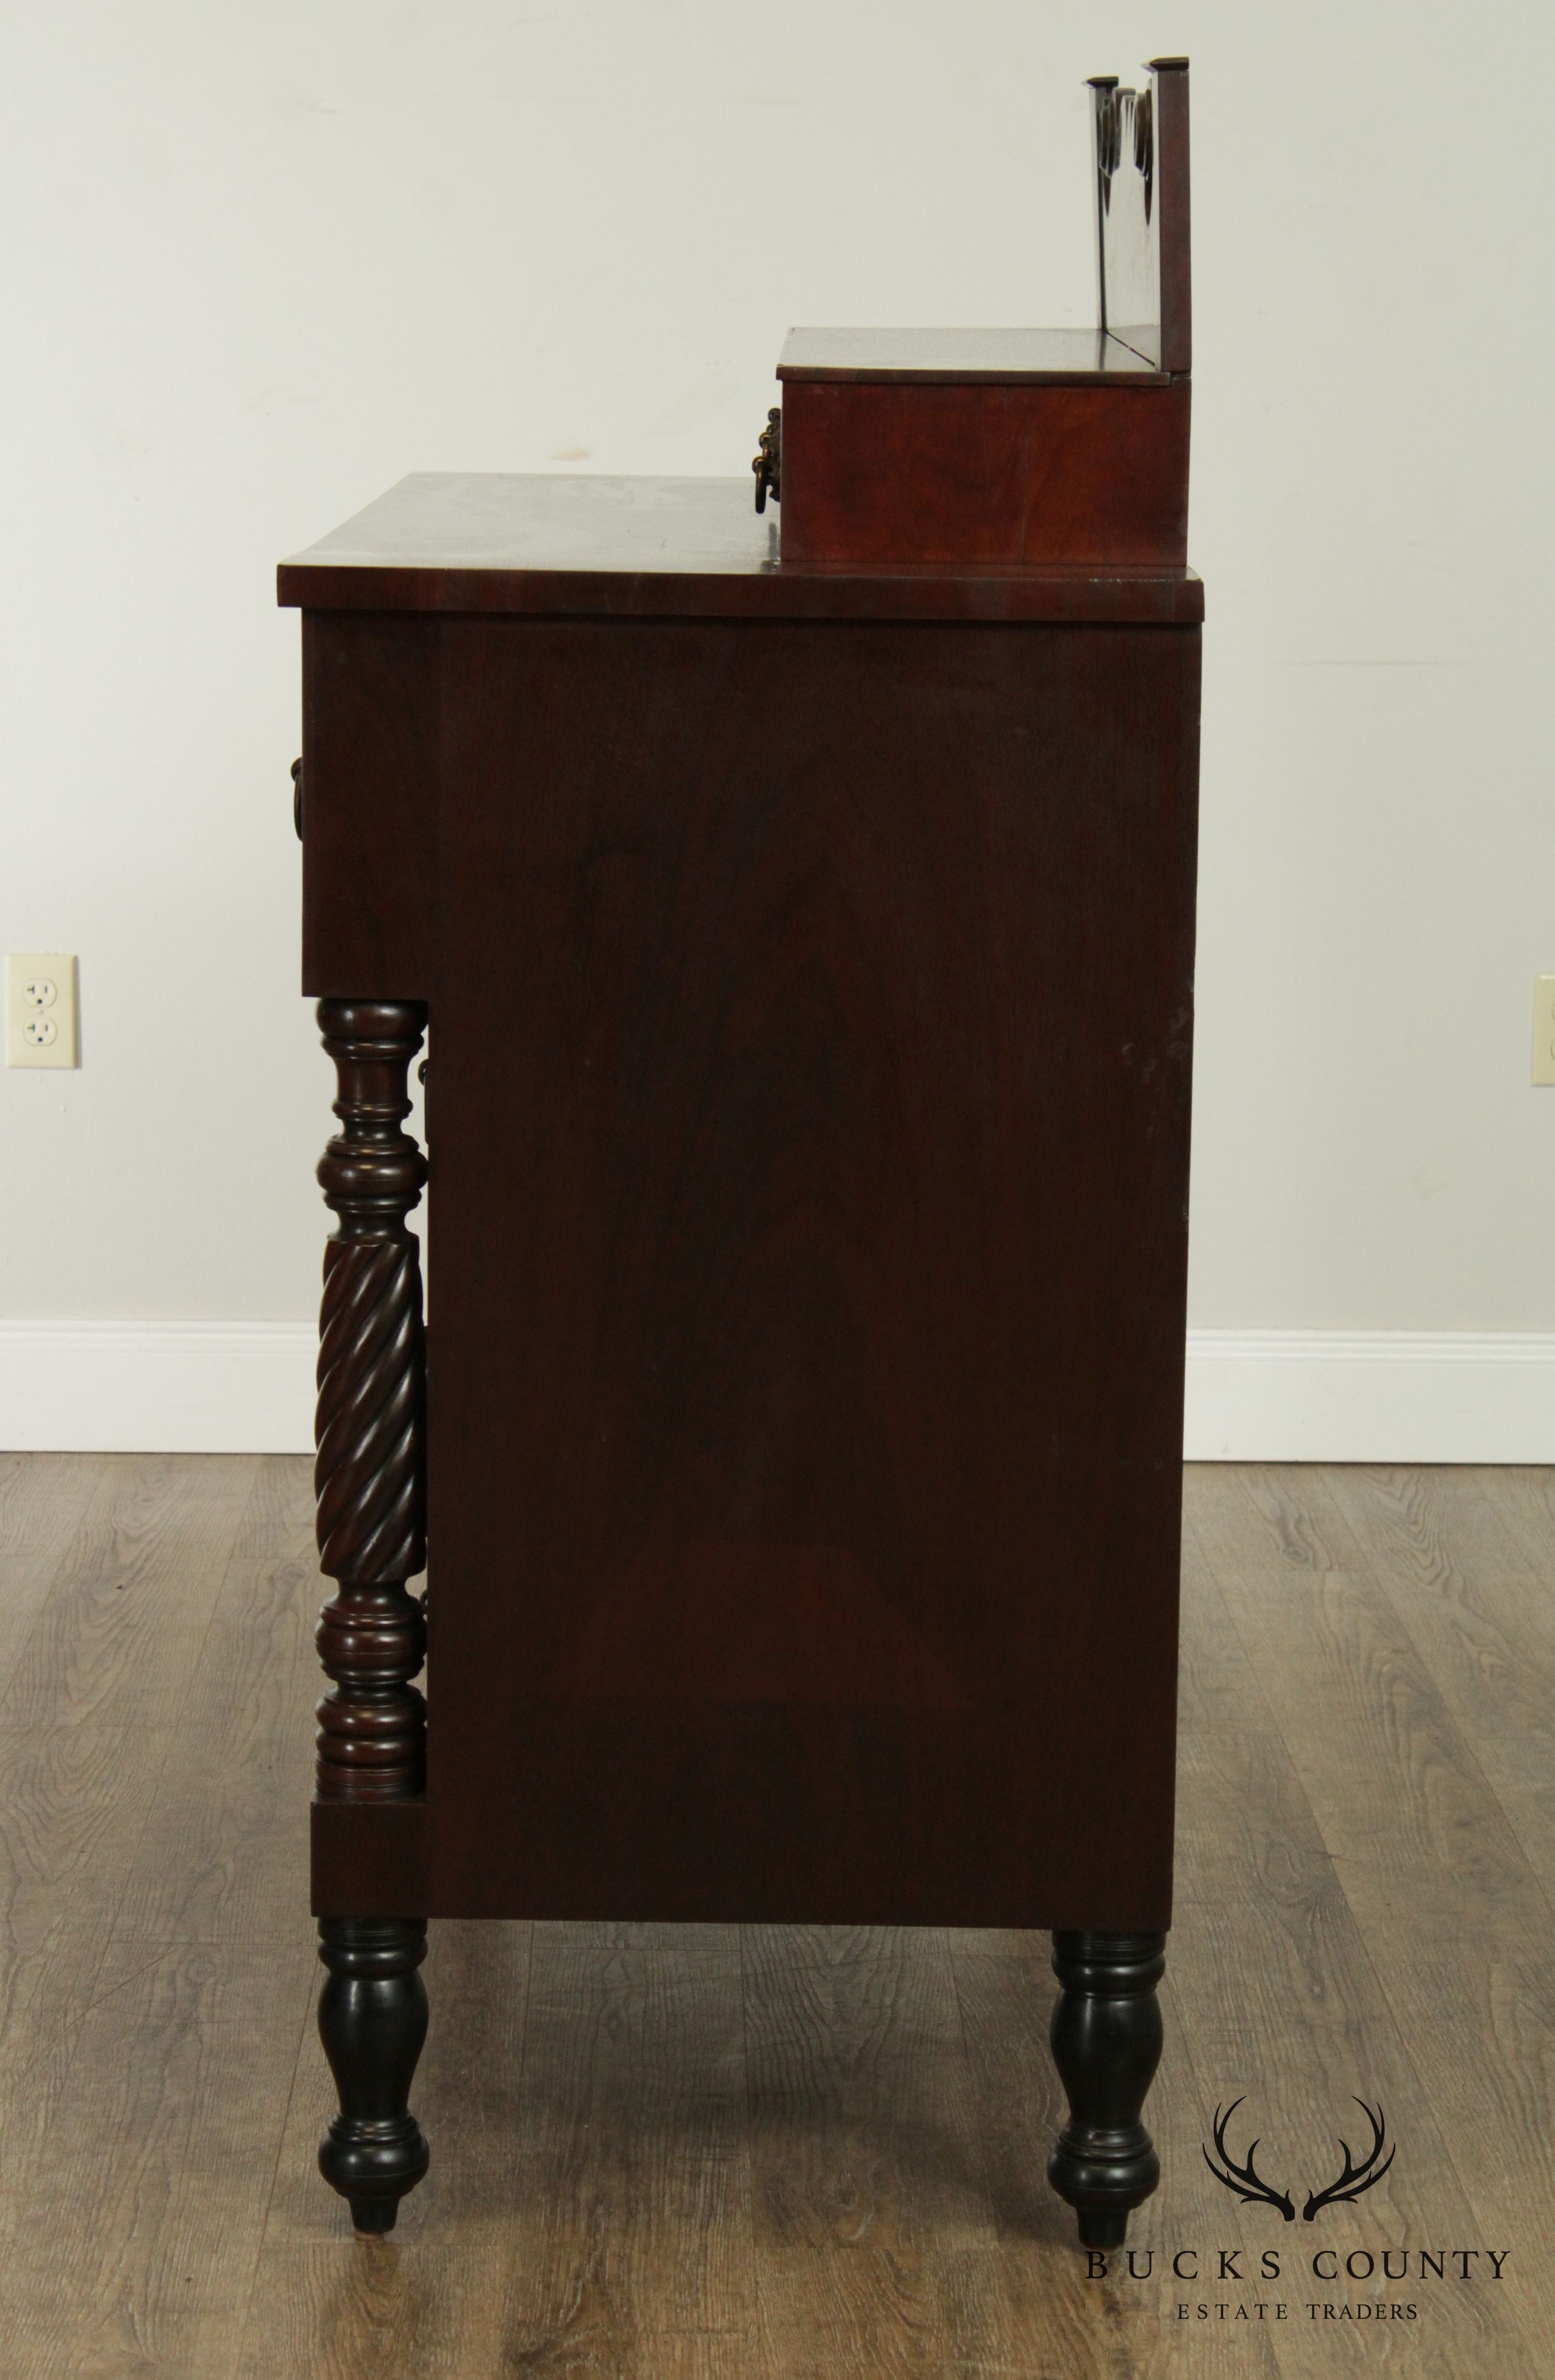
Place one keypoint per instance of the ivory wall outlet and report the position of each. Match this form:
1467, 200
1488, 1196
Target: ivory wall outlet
41, 1008
1544, 1028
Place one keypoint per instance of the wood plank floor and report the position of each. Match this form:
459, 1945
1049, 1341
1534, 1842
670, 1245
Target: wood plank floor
705, 2151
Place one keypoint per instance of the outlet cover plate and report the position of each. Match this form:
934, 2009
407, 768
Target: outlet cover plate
40, 1009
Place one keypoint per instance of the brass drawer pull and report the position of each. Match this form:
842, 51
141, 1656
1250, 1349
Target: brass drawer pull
767, 463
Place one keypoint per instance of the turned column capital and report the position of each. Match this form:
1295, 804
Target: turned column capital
372, 1172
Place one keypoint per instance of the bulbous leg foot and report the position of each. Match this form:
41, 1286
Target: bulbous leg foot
1106, 2044
372, 2021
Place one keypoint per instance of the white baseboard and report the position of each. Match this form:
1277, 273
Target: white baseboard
1370, 1396
153, 1388
1253, 1396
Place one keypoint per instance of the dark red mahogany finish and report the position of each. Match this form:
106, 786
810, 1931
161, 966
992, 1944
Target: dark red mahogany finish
900, 470
809, 1238
781, 1235
807, 950
1013, 446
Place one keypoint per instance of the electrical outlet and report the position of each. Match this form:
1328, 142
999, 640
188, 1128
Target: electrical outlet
41, 1008
1544, 1028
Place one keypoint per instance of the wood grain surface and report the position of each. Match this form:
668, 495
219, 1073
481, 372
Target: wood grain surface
370, 726
560, 544
881, 473
806, 1368
703, 2153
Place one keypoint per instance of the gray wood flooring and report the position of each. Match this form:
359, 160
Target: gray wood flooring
704, 2150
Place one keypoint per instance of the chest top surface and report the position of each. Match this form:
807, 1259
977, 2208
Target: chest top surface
587, 545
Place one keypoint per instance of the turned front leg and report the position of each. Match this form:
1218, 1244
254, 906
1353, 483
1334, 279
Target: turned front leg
369, 1479
372, 2020
1106, 2044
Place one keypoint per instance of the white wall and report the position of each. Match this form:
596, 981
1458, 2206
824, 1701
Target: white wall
261, 259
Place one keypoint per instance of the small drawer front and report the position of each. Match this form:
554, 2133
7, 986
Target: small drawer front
883, 473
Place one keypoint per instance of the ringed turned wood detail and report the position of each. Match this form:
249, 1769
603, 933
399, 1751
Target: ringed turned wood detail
369, 1467
370, 1482
372, 2021
1106, 2044
812, 1164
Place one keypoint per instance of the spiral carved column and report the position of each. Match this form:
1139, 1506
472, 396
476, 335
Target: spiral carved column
1106, 2044
368, 1478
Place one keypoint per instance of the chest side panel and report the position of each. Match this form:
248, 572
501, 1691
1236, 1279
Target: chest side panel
809, 1146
